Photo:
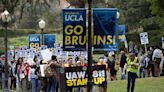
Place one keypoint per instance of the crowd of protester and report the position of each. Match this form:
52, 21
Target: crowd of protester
27, 77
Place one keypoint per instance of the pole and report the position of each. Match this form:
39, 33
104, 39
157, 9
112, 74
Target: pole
42, 35
89, 71
145, 49
6, 89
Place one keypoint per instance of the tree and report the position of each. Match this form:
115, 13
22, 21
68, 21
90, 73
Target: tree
157, 8
136, 14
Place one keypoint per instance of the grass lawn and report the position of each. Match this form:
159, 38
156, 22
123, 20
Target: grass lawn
142, 85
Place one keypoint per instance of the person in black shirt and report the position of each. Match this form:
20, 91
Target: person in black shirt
122, 64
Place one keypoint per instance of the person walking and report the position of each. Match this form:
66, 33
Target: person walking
132, 68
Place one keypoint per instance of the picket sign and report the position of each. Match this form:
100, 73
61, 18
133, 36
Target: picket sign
144, 40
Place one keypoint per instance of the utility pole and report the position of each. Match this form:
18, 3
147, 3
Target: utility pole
89, 69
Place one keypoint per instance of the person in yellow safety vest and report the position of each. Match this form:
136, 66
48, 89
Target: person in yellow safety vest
132, 69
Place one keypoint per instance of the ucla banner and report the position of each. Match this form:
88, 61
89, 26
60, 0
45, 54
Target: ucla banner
49, 40
74, 29
34, 41
121, 33
77, 76
105, 29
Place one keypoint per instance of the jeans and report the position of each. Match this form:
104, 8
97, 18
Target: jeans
123, 74
142, 72
34, 84
51, 84
131, 79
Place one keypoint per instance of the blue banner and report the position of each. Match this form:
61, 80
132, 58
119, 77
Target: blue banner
121, 33
34, 41
74, 29
49, 40
105, 29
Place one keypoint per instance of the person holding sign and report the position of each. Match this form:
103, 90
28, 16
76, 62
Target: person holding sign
132, 69
69, 64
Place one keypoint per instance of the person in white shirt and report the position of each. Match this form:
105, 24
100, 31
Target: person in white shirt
157, 57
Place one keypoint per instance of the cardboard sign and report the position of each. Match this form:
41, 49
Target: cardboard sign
144, 38
46, 54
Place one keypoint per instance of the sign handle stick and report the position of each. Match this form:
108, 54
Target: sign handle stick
145, 49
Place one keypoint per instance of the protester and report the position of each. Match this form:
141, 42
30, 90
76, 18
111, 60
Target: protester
103, 86
12, 74
132, 69
151, 63
142, 72
19, 73
52, 82
122, 64
113, 71
43, 80
69, 64
79, 89
157, 57
33, 78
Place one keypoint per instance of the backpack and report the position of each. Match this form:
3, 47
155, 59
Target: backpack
48, 71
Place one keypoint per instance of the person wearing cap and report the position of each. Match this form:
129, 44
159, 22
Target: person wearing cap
132, 69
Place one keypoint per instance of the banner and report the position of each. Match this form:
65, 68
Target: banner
34, 41
74, 29
49, 40
77, 76
105, 29
121, 33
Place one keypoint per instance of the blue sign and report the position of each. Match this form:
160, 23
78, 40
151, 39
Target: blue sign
105, 29
121, 33
74, 29
49, 40
34, 41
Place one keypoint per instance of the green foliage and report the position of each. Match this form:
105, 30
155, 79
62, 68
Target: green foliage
136, 13
153, 35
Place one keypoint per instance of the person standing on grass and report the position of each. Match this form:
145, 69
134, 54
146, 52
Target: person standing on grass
157, 57
122, 64
142, 72
132, 69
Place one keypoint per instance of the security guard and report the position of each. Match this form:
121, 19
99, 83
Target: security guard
132, 69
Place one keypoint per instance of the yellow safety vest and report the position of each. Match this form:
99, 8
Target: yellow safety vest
131, 68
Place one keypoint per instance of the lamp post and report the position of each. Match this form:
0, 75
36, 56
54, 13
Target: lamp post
118, 16
6, 18
89, 69
42, 24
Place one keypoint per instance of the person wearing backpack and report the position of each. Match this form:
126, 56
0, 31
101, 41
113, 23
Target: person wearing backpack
52, 82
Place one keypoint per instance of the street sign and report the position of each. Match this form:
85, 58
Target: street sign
144, 38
